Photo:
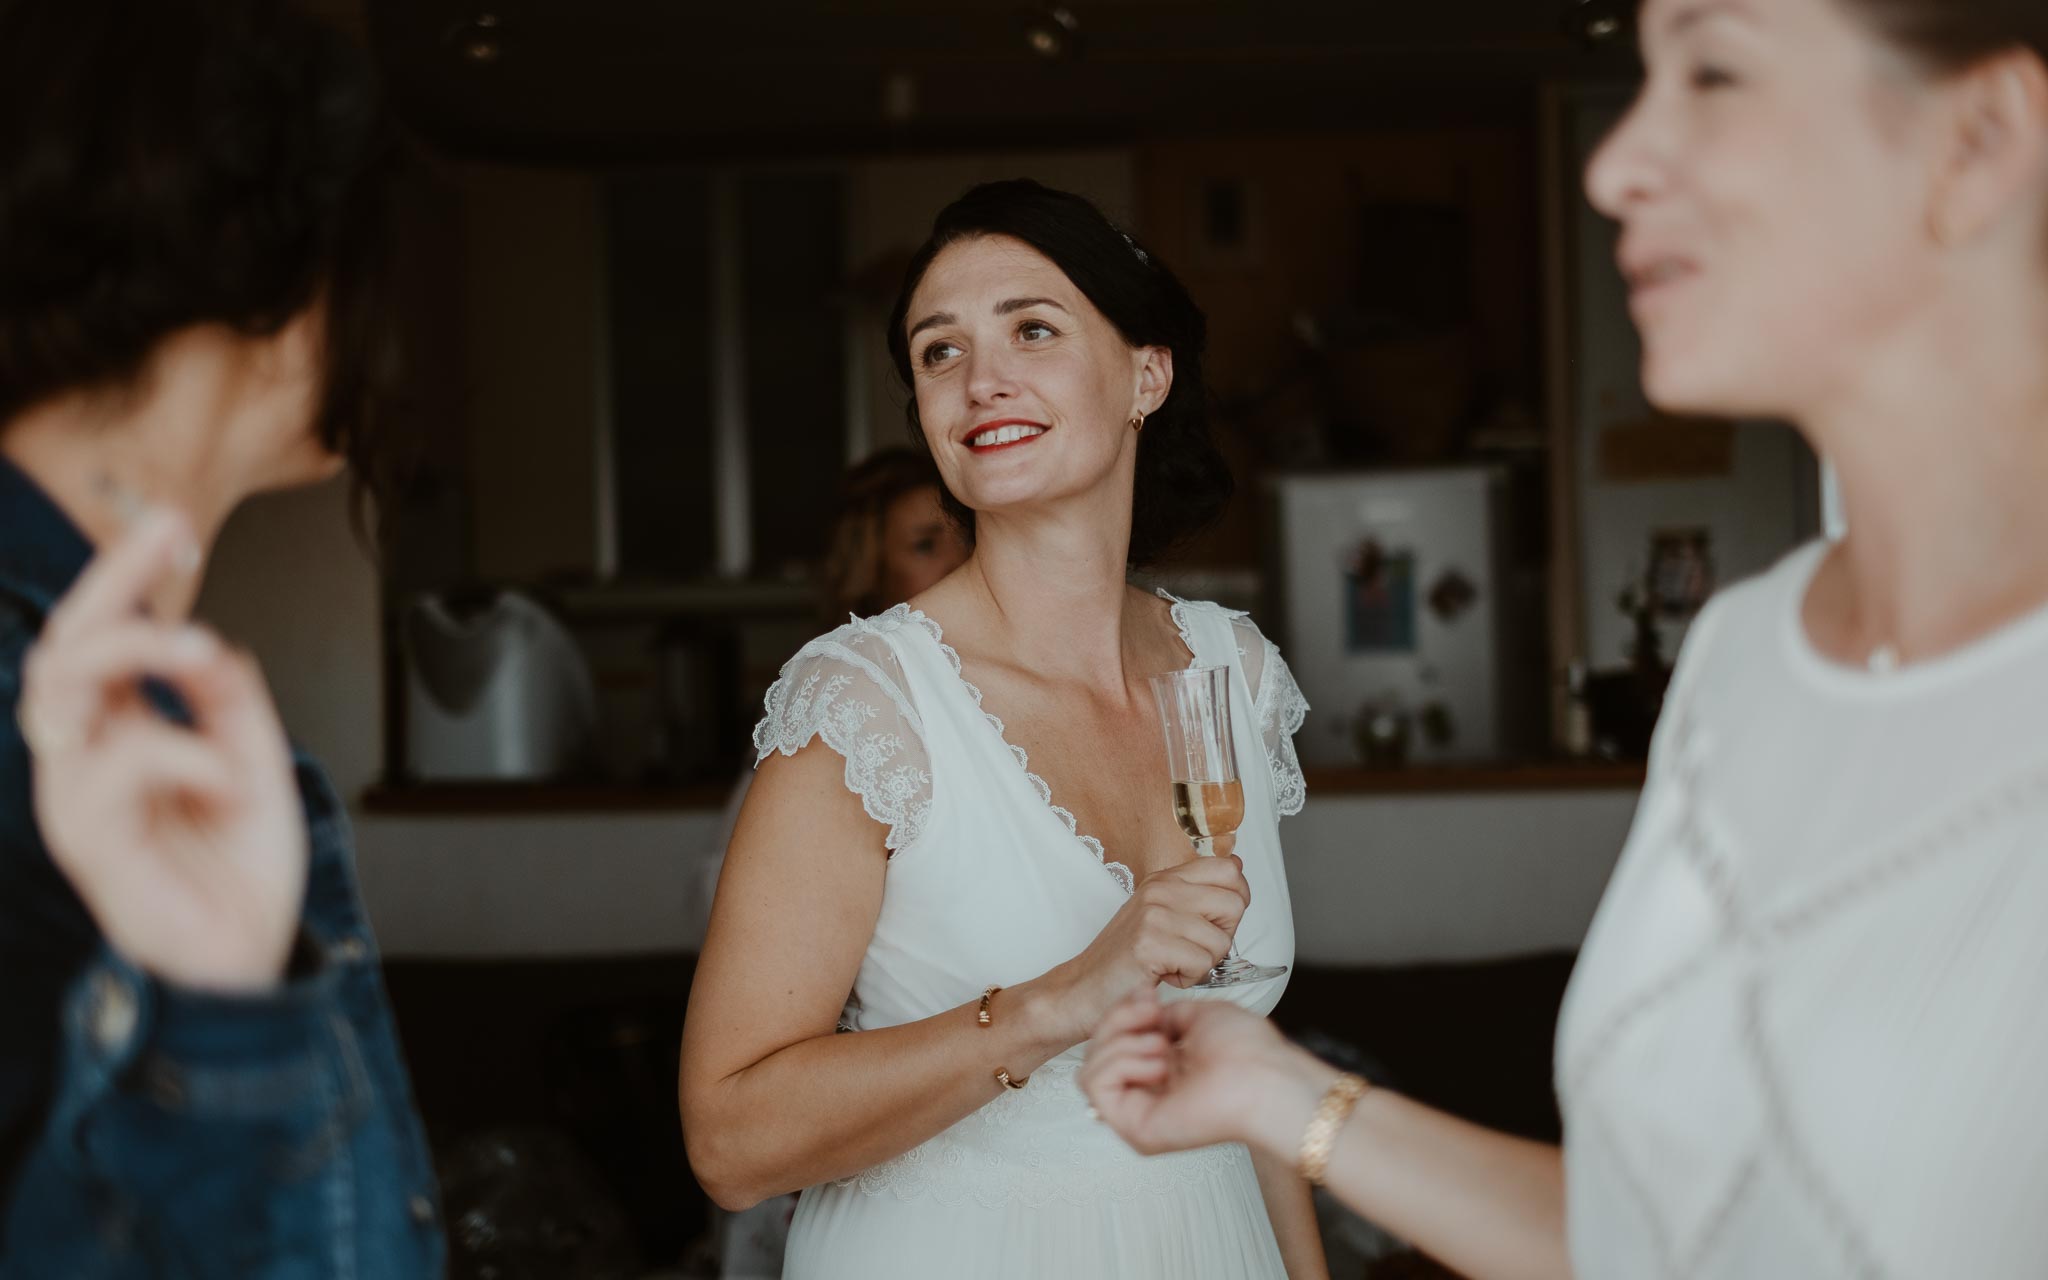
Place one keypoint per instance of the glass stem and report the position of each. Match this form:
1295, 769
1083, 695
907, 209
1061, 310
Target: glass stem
1205, 847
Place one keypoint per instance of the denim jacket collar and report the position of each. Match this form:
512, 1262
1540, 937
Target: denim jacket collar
41, 551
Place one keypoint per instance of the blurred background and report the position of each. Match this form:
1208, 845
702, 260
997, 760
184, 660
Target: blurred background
647, 257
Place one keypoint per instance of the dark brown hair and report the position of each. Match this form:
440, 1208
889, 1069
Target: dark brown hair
186, 162
1183, 483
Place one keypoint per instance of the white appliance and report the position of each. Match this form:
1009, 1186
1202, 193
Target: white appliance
1410, 604
498, 692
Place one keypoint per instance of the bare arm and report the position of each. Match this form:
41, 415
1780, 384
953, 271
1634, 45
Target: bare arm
772, 1099
1488, 1205
1485, 1204
1291, 1206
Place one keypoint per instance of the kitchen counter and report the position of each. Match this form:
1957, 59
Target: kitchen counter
1377, 875
440, 799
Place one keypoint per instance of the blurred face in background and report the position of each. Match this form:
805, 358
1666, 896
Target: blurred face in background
1775, 182
919, 545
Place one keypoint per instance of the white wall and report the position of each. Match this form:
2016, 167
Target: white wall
1374, 879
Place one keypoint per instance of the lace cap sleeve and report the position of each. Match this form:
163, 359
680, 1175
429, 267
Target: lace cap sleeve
848, 690
1281, 708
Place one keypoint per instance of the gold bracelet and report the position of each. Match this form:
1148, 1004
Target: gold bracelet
1320, 1138
981, 1019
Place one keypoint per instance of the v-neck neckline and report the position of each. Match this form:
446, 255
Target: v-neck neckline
1117, 870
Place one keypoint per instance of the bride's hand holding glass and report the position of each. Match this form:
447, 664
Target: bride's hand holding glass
1174, 928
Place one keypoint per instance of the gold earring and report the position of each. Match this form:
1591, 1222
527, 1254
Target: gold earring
1138, 422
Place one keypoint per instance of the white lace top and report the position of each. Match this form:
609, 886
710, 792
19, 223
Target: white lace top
1806, 1036
990, 881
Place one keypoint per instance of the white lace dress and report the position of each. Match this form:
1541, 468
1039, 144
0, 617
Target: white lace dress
990, 882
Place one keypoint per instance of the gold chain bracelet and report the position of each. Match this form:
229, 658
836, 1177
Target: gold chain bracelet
982, 1019
1320, 1138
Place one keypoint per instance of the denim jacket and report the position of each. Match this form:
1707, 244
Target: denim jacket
150, 1131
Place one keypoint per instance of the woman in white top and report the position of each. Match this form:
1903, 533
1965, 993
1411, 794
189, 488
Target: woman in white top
970, 791
1806, 1036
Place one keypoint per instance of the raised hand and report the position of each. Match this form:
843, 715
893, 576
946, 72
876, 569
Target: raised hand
188, 845
1168, 1077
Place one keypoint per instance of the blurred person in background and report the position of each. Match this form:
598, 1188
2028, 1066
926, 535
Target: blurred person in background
198, 1072
892, 539
1804, 1037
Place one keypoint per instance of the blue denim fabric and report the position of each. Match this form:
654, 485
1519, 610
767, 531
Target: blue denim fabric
147, 1131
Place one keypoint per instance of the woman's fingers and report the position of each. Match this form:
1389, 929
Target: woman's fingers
121, 579
68, 692
1181, 1020
141, 763
1226, 871
1137, 1011
1123, 1049
1220, 907
159, 761
231, 703
1183, 960
1120, 1074
1205, 877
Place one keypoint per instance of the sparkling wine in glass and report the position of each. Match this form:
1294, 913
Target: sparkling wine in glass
1208, 798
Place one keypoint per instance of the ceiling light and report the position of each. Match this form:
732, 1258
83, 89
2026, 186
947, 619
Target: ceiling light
1053, 33
480, 39
1600, 22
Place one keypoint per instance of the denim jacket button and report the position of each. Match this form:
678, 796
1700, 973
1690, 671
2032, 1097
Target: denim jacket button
422, 1209
113, 1013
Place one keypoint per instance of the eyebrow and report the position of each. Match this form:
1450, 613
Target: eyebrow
1009, 306
1693, 15
1014, 305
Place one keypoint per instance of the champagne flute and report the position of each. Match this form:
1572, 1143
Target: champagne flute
1208, 797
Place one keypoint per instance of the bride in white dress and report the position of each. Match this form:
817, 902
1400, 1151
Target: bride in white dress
969, 792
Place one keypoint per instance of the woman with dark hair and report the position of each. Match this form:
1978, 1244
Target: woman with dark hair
964, 896
1804, 1037
198, 1074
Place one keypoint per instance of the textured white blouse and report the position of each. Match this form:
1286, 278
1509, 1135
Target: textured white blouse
1808, 1034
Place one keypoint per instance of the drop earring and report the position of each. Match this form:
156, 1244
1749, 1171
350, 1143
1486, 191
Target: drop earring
1138, 422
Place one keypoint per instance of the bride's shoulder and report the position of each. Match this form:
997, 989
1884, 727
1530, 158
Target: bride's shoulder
1187, 612
854, 671
873, 636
